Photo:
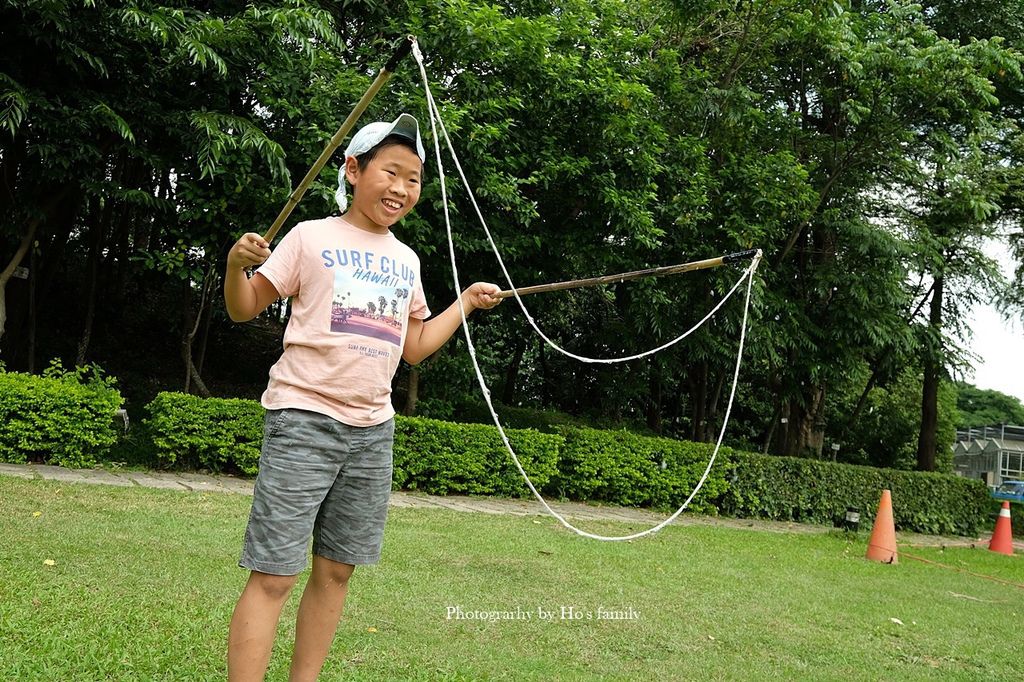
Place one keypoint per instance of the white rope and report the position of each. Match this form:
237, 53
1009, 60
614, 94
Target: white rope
508, 277
749, 275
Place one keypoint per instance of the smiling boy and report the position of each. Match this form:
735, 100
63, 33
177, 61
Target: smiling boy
325, 467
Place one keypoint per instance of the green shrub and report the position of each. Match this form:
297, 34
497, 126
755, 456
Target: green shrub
617, 467
212, 433
64, 418
621, 467
432, 456
812, 491
442, 457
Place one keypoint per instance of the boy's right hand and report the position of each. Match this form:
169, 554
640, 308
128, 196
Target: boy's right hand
252, 249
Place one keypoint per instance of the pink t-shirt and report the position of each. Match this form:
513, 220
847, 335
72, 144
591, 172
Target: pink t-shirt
353, 293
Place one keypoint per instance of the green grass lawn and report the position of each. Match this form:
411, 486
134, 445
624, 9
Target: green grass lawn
144, 582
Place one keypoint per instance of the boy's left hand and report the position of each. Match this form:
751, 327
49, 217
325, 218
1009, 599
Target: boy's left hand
481, 295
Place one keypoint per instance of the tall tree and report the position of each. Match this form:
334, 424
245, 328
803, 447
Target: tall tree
985, 407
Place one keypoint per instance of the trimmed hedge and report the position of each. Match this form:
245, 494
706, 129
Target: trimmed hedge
621, 467
812, 491
206, 433
65, 418
433, 456
618, 467
443, 457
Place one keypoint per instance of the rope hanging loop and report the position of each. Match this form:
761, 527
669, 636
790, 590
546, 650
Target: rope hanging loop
748, 275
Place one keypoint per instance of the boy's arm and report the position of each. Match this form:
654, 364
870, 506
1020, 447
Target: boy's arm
246, 297
426, 337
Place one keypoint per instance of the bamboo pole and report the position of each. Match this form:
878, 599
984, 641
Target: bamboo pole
636, 274
403, 48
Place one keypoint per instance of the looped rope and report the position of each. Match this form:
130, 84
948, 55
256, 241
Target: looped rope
748, 275
432, 108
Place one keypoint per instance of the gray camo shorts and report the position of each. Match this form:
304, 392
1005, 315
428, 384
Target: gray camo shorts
320, 478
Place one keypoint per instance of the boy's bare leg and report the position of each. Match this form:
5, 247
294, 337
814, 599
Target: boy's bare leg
254, 624
319, 612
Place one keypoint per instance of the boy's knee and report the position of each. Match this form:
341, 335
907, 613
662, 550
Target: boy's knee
274, 587
332, 572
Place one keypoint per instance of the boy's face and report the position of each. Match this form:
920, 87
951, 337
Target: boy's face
386, 189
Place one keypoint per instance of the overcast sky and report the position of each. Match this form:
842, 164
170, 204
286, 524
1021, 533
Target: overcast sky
1000, 344
1001, 347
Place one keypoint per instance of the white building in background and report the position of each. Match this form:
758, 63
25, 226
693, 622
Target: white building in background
994, 454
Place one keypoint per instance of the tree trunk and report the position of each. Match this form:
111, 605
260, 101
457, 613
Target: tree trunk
32, 276
711, 421
508, 390
204, 339
796, 430
10, 163
412, 393
8, 272
876, 367
926, 439
545, 374
698, 395
186, 335
654, 402
191, 327
60, 212
192, 374
802, 434
96, 235
60, 215
862, 401
766, 443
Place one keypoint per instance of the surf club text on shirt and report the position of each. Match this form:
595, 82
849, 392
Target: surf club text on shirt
364, 265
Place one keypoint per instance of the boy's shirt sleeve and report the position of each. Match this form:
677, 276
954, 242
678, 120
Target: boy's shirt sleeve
282, 268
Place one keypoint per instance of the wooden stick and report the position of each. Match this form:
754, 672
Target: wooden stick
637, 274
401, 51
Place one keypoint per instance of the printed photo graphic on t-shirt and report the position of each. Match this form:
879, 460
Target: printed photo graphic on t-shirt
366, 308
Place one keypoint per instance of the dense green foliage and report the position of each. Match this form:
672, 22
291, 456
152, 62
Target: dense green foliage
441, 457
809, 491
885, 431
869, 148
64, 418
433, 456
623, 468
214, 433
981, 407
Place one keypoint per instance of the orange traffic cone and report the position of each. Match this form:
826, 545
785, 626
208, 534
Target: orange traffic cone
882, 545
1002, 538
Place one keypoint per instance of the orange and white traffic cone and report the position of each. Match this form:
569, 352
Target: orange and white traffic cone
882, 544
1002, 538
